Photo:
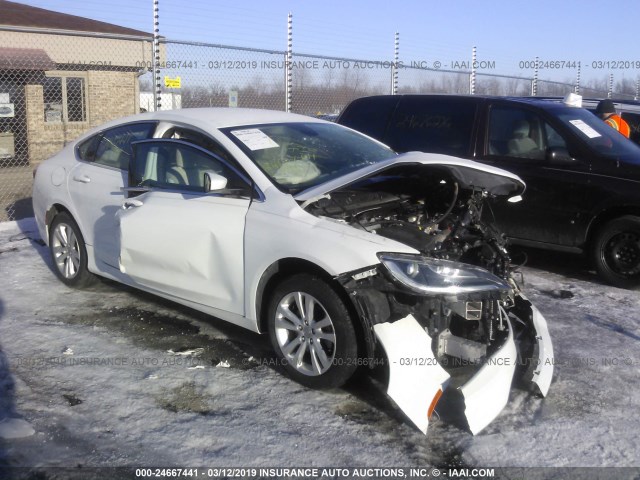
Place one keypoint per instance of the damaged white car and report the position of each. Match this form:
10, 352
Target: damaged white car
340, 250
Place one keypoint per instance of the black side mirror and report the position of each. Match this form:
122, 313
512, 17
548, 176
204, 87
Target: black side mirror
559, 156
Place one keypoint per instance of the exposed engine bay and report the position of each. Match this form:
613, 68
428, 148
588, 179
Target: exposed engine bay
425, 209
431, 210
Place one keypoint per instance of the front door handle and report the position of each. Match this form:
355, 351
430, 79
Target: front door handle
82, 178
131, 203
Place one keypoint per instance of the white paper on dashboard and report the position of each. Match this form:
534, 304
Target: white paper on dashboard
254, 139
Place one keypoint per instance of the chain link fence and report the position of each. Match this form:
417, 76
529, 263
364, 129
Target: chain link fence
54, 86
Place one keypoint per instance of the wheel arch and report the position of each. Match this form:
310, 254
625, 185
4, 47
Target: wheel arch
52, 212
286, 267
604, 217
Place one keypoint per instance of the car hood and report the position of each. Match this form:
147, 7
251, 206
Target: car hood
467, 172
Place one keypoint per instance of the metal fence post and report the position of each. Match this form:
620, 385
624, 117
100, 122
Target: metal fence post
287, 64
157, 98
472, 76
610, 92
394, 67
577, 88
534, 81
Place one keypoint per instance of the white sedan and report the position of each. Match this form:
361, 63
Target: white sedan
342, 251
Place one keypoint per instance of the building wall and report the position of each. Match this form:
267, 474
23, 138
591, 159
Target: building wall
85, 50
110, 95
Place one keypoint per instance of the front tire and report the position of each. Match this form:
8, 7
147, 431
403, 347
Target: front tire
616, 252
312, 332
68, 251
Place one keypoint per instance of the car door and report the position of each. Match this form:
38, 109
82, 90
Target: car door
520, 140
175, 236
95, 186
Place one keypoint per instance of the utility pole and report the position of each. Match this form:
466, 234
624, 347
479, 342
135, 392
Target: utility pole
157, 98
394, 67
287, 64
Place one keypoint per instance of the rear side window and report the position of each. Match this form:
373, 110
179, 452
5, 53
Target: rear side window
87, 149
369, 115
114, 147
436, 125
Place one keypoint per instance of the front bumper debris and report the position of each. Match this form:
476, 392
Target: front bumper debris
487, 393
416, 379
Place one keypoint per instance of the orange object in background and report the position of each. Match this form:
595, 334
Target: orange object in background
616, 121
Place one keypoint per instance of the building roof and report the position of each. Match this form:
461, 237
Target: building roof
19, 15
25, 59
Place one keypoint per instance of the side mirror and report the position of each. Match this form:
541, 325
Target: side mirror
559, 156
213, 181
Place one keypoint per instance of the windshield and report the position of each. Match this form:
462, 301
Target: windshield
598, 135
297, 156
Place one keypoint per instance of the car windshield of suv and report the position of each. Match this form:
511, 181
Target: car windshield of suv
598, 135
297, 156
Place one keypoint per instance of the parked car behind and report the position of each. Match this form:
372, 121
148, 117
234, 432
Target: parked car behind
321, 237
583, 178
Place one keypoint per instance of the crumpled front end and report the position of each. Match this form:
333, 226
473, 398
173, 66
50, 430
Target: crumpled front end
445, 326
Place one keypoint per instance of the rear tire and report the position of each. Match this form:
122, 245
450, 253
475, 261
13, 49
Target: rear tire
312, 332
68, 251
616, 252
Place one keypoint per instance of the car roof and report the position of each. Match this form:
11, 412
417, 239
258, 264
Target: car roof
623, 105
544, 103
208, 119
217, 117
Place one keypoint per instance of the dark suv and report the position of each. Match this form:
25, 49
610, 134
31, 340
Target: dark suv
583, 177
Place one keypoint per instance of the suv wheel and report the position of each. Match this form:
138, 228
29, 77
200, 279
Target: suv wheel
617, 252
312, 332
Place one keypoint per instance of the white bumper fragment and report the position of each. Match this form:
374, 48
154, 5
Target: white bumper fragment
416, 380
487, 393
543, 371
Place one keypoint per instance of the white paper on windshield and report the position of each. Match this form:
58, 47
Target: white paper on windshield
254, 139
584, 128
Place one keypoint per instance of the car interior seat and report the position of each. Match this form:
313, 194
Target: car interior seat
175, 172
520, 143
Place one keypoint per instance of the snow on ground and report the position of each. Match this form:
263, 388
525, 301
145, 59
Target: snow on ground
111, 377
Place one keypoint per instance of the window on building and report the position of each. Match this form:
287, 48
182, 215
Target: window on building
65, 99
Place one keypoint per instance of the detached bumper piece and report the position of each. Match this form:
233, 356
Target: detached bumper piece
416, 379
487, 393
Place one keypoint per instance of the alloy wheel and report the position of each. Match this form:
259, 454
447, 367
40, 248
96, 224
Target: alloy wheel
66, 250
305, 333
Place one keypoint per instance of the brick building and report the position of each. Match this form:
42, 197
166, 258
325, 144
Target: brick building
61, 75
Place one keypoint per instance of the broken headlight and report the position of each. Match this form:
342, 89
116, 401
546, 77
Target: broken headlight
431, 275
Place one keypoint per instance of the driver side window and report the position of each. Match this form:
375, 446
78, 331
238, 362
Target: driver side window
520, 133
176, 165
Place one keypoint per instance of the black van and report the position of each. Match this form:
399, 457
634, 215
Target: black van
583, 177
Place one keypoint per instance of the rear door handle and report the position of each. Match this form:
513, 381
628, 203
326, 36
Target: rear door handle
82, 178
131, 203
